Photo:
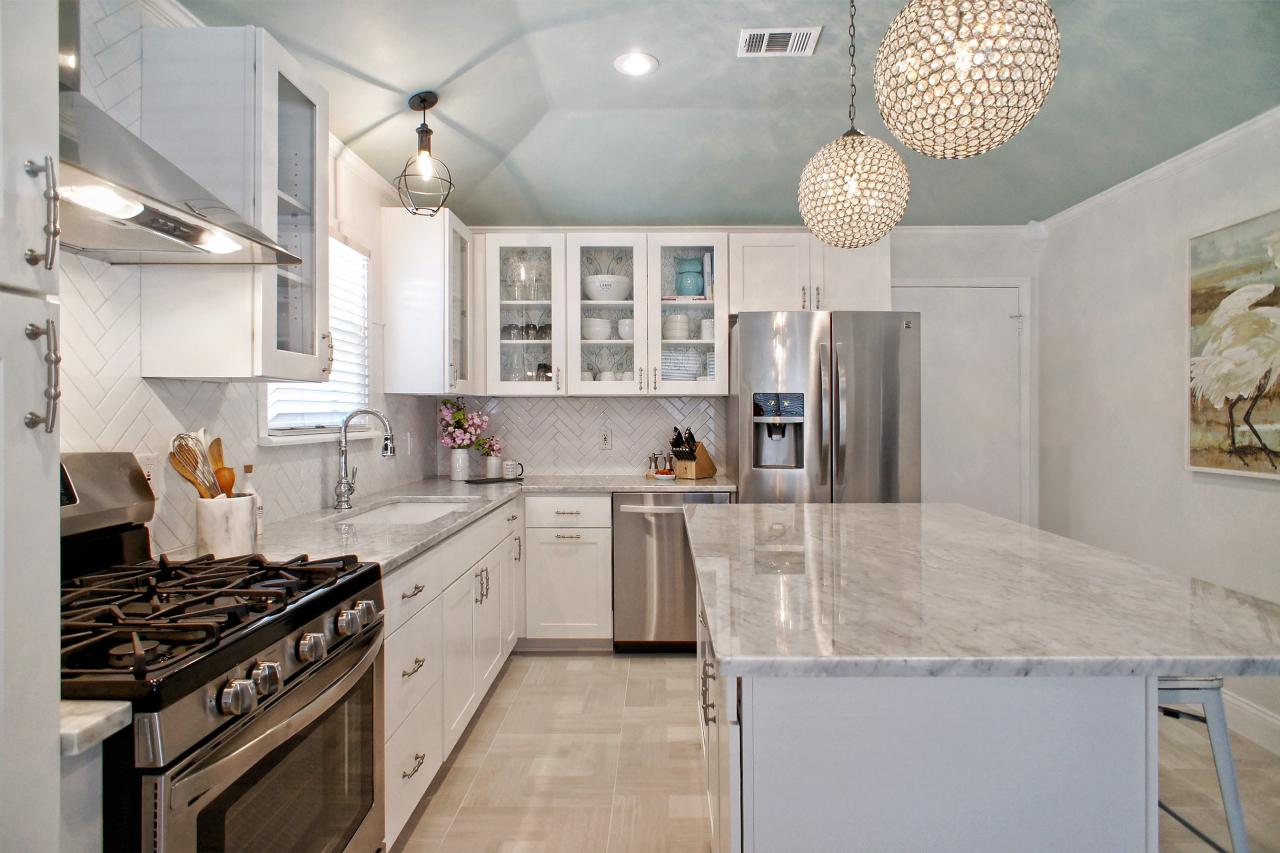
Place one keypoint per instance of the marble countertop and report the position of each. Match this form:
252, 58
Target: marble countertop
608, 483
84, 723
942, 589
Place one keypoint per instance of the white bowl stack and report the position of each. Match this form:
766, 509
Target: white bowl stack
607, 287
596, 329
675, 327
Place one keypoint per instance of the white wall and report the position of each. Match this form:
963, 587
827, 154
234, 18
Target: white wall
108, 406
1113, 376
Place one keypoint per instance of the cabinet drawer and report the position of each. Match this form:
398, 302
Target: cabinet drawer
413, 756
568, 511
411, 664
408, 589
513, 516
569, 584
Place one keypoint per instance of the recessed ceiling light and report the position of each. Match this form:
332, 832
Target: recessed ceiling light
636, 64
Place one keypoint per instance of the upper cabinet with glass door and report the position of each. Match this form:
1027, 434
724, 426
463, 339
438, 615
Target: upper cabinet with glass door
688, 314
427, 265
231, 108
525, 310
607, 288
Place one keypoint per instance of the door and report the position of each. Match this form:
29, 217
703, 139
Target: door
489, 647
459, 619
688, 314
782, 431
28, 133
525, 332
770, 272
568, 590
876, 406
971, 395
28, 575
293, 207
510, 596
458, 273
850, 279
608, 337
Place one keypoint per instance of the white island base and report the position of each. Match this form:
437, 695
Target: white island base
929, 763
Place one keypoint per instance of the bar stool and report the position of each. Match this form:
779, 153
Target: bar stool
1207, 693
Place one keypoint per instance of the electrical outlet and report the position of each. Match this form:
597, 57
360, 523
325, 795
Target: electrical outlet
150, 463
606, 440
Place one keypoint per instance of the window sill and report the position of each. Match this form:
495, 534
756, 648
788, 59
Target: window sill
329, 437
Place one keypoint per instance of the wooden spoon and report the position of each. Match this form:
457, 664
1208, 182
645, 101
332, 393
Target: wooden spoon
188, 474
215, 455
226, 480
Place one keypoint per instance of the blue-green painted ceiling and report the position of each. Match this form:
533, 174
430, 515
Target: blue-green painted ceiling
539, 129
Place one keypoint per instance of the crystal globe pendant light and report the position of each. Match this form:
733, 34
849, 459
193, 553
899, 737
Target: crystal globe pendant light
425, 182
956, 78
854, 190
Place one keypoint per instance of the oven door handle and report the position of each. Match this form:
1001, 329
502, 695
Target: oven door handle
199, 781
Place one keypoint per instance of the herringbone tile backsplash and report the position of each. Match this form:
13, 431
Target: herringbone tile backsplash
562, 435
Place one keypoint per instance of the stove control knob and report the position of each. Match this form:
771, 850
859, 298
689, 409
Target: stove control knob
238, 697
312, 647
347, 622
368, 611
266, 677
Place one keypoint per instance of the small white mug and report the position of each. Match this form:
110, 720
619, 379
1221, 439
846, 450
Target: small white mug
512, 469
588, 376
608, 376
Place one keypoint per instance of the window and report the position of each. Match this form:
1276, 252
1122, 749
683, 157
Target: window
300, 407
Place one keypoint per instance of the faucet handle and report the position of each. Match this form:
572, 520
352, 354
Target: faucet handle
354, 471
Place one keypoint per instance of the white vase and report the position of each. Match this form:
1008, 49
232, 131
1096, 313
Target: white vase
459, 464
226, 527
493, 467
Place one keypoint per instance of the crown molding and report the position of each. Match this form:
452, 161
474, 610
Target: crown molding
1189, 159
171, 13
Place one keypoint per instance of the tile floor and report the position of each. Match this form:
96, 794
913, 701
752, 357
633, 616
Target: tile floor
600, 754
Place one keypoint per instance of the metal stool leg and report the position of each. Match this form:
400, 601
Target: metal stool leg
1216, 716
1207, 693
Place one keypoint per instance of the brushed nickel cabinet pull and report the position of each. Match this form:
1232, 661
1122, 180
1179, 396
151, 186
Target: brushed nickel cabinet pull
417, 590
52, 214
53, 375
418, 760
568, 512
568, 535
417, 665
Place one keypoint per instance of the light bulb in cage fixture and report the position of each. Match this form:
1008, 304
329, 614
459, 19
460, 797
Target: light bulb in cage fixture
425, 182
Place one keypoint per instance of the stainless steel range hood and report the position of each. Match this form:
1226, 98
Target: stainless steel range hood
124, 203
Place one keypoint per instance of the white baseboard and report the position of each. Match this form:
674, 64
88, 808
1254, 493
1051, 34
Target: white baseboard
1255, 722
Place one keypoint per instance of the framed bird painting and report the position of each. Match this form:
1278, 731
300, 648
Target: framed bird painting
1234, 337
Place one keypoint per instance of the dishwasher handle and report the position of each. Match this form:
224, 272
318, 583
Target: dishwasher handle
641, 509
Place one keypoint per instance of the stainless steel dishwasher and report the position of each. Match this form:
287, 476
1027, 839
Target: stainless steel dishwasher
653, 584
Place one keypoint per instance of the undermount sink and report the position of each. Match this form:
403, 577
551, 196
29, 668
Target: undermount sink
408, 512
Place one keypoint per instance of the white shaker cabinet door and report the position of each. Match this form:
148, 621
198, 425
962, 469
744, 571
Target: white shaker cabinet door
489, 647
769, 271
461, 693
849, 279
28, 144
569, 583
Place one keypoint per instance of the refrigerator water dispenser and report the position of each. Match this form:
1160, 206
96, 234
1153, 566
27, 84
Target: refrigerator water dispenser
778, 437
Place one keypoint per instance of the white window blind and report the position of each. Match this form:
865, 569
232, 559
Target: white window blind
294, 407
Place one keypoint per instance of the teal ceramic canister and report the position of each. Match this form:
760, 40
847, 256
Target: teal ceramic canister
689, 283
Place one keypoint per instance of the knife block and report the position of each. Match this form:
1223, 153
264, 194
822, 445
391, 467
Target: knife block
698, 468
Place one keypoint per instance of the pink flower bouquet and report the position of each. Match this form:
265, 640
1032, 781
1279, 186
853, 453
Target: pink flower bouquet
460, 429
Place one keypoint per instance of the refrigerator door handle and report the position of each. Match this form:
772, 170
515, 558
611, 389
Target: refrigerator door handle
842, 417
824, 443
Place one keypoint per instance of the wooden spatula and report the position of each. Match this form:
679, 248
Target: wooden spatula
215, 455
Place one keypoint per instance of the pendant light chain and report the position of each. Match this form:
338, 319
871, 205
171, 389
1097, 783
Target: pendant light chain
853, 68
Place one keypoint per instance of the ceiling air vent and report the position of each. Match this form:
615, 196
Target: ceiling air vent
778, 41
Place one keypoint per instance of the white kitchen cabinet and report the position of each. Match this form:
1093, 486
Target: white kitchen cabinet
525, 338
683, 361
606, 290
511, 591
490, 648
569, 583
230, 107
29, 745
428, 294
28, 134
411, 757
850, 279
770, 271
461, 693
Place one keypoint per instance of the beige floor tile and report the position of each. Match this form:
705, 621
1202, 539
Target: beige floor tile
529, 829
563, 670
658, 823
653, 692
475, 741
586, 708
548, 770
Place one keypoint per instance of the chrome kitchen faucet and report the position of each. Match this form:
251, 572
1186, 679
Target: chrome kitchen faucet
347, 484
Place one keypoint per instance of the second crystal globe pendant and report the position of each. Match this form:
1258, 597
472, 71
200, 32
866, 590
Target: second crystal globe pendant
854, 190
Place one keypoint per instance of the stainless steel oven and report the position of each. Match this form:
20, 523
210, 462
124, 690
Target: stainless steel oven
303, 772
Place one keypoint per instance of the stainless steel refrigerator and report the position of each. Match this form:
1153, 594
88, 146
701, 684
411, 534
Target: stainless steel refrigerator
824, 406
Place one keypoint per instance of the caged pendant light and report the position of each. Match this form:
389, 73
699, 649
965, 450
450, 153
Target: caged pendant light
956, 78
854, 190
425, 182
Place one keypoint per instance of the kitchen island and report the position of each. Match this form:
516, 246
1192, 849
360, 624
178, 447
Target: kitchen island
930, 677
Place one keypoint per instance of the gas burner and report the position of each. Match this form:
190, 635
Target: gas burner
129, 655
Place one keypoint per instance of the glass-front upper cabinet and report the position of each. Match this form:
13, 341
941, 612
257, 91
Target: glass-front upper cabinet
525, 308
428, 294
606, 289
688, 314
264, 152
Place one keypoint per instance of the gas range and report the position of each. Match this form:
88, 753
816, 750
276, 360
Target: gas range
242, 672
